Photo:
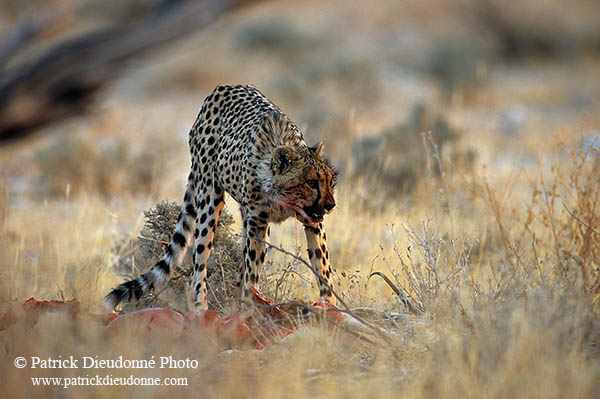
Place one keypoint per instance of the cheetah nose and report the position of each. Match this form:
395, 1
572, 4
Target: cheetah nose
329, 206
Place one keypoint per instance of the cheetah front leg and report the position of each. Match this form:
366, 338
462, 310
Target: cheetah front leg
319, 259
256, 232
210, 202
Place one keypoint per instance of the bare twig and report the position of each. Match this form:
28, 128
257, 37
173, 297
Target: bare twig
322, 281
593, 230
397, 291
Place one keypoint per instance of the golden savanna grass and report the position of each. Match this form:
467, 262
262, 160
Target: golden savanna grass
492, 231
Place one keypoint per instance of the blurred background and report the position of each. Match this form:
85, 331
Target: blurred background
466, 133
490, 82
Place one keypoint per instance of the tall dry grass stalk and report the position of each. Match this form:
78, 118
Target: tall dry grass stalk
497, 299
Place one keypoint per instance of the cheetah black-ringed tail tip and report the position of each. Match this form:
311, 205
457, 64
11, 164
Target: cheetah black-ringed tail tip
244, 145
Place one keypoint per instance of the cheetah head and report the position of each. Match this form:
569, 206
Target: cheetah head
304, 182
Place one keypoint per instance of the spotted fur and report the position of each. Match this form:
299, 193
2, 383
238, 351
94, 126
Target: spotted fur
244, 145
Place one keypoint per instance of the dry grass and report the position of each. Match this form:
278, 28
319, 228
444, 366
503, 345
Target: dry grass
498, 255
508, 299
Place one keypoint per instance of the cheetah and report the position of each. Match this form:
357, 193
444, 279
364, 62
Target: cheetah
244, 145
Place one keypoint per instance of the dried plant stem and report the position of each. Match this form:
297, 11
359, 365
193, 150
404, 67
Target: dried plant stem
346, 309
411, 308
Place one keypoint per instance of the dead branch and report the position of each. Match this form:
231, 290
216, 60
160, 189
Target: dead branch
62, 80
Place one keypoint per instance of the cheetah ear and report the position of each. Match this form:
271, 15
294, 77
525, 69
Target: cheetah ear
317, 148
283, 158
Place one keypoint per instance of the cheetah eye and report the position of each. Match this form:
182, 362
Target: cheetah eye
312, 183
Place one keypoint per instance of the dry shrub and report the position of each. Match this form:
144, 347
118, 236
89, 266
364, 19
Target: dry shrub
135, 256
396, 159
560, 227
550, 246
459, 65
522, 318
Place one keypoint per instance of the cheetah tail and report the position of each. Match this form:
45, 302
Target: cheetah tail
154, 279
160, 274
131, 291
128, 292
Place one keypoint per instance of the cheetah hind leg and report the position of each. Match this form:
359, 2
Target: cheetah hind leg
256, 233
210, 204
